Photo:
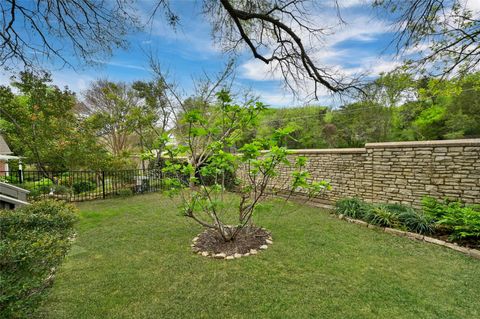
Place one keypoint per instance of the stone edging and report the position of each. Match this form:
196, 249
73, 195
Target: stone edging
252, 252
467, 251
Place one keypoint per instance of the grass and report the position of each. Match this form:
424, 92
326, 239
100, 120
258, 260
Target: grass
132, 259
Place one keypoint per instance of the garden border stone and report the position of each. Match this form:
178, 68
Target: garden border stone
474, 253
252, 252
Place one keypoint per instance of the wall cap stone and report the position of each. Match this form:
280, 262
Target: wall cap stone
461, 142
328, 150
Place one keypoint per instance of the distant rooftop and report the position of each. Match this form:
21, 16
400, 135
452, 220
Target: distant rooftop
4, 149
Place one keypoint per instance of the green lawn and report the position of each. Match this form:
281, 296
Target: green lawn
132, 259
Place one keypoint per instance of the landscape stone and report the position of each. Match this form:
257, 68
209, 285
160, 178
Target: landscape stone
434, 241
474, 253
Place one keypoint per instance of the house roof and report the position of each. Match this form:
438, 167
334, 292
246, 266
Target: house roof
4, 149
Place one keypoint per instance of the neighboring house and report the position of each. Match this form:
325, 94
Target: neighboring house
5, 156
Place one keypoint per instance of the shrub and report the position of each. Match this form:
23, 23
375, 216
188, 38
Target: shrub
9, 179
465, 223
381, 215
462, 222
84, 186
61, 190
33, 242
416, 222
352, 207
433, 208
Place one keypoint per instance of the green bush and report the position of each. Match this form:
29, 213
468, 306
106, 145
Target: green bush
13, 179
33, 242
125, 192
386, 215
352, 207
416, 222
84, 186
381, 215
462, 222
61, 190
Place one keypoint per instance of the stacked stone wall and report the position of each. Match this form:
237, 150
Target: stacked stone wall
398, 172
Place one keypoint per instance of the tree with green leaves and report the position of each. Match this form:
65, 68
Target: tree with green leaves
207, 146
40, 124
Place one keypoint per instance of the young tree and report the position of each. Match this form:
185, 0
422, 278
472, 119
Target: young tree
210, 162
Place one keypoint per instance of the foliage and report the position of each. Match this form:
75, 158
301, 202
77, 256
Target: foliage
386, 215
84, 186
352, 207
411, 219
40, 124
395, 108
463, 222
209, 132
381, 215
34, 241
62, 190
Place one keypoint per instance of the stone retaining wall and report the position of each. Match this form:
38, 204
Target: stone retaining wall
398, 172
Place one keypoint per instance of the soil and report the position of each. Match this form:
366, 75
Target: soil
250, 237
443, 234
472, 243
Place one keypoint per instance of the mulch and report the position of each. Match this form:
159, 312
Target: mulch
250, 237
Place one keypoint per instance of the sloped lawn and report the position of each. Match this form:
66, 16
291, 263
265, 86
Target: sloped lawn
132, 259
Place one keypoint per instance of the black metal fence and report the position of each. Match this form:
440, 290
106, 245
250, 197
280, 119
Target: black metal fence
85, 185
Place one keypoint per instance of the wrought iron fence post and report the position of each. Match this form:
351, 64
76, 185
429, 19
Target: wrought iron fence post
103, 184
20, 176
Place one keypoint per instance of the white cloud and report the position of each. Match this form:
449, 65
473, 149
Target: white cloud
473, 5
327, 53
123, 65
277, 98
349, 3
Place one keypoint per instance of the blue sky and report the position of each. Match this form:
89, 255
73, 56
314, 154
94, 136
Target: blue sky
361, 46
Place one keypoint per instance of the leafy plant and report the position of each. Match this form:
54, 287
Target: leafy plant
416, 222
381, 215
61, 190
33, 242
210, 167
435, 209
352, 207
84, 186
461, 221
465, 223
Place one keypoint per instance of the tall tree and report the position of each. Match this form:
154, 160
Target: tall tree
40, 124
109, 107
152, 119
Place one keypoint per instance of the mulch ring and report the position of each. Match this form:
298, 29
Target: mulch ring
248, 238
